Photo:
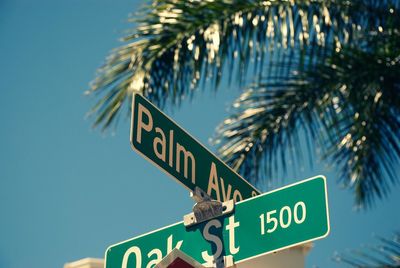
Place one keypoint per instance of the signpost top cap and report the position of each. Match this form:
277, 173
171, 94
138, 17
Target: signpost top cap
178, 259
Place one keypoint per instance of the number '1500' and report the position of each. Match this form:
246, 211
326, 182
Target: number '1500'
284, 218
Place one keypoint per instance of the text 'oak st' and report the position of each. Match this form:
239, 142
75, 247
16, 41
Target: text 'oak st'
289, 216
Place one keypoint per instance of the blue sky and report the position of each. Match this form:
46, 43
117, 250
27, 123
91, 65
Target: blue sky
68, 191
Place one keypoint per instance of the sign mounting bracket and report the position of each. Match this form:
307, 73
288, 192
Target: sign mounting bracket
206, 208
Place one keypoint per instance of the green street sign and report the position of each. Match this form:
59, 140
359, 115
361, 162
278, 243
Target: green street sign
286, 217
169, 147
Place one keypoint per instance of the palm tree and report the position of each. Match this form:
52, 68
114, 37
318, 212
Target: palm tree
324, 71
385, 255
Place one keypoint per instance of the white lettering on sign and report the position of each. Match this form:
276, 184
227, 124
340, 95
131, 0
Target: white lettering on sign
186, 155
157, 141
169, 244
138, 254
285, 217
233, 249
214, 239
182, 155
218, 186
158, 258
175, 152
231, 229
141, 124
156, 252
133, 256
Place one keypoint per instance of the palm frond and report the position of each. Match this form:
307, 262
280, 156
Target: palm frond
178, 44
349, 103
365, 143
269, 118
385, 255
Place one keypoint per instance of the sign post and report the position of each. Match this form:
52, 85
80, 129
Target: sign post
273, 221
172, 149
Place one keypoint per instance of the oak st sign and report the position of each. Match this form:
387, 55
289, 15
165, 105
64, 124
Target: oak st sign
279, 219
159, 139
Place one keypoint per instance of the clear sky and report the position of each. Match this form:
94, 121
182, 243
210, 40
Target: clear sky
67, 191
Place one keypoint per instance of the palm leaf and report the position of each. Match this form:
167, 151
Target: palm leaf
347, 105
269, 118
178, 44
385, 255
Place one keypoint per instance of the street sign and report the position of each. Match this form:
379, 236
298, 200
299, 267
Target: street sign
168, 146
273, 221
